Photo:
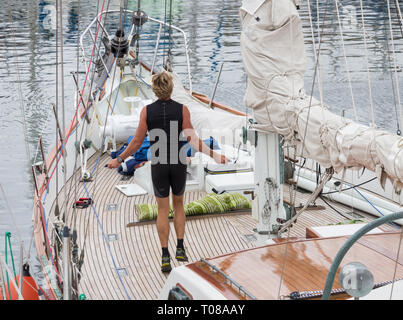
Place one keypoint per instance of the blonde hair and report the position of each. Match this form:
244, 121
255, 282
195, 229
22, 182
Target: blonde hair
162, 85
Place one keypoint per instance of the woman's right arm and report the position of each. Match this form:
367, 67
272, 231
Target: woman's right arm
195, 141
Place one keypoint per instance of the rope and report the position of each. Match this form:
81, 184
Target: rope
103, 140
62, 100
345, 189
8, 241
86, 111
372, 205
97, 161
83, 127
67, 138
395, 64
20, 297
106, 240
82, 92
333, 208
165, 31
326, 177
96, 168
57, 103
368, 201
298, 295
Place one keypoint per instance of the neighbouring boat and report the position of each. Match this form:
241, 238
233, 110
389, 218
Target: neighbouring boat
94, 230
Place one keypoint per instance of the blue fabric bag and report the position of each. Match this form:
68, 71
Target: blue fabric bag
141, 155
209, 142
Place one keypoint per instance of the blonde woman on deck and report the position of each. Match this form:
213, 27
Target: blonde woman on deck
169, 127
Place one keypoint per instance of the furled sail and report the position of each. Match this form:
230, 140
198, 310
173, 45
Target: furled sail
273, 52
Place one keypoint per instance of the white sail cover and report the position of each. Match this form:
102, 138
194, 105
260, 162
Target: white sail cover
274, 59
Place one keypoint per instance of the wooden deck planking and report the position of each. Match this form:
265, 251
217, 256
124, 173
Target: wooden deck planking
137, 248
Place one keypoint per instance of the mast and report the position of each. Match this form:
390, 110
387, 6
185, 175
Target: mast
268, 184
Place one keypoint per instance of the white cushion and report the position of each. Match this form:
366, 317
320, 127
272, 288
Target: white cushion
231, 181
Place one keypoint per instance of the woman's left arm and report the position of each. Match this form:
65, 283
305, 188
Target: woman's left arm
136, 142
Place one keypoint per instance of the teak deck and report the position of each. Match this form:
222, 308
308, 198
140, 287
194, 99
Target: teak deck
112, 247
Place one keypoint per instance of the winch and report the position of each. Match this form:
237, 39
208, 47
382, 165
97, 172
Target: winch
119, 44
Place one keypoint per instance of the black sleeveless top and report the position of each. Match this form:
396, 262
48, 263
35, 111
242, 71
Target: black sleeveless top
164, 122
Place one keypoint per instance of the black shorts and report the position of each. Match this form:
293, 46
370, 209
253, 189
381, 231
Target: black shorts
165, 176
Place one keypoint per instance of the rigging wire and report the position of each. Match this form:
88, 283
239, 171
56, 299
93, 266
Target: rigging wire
317, 56
398, 131
367, 64
399, 16
107, 115
23, 113
96, 169
20, 95
311, 97
333, 208
84, 126
86, 227
76, 269
165, 31
168, 64
106, 241
74, 181
62, 100
352, 187
79, 102
57, 107
77, 99
345, 61
11, 212
66, 140
394, 62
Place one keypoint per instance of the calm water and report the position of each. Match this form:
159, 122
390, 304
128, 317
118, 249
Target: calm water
213, 28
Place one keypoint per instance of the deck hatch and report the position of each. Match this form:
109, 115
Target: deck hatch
122, 272
113, 237
112, 207
250, 237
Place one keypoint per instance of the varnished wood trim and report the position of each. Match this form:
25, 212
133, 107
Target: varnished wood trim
310, 233
203, 98
226, 290
184, 290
